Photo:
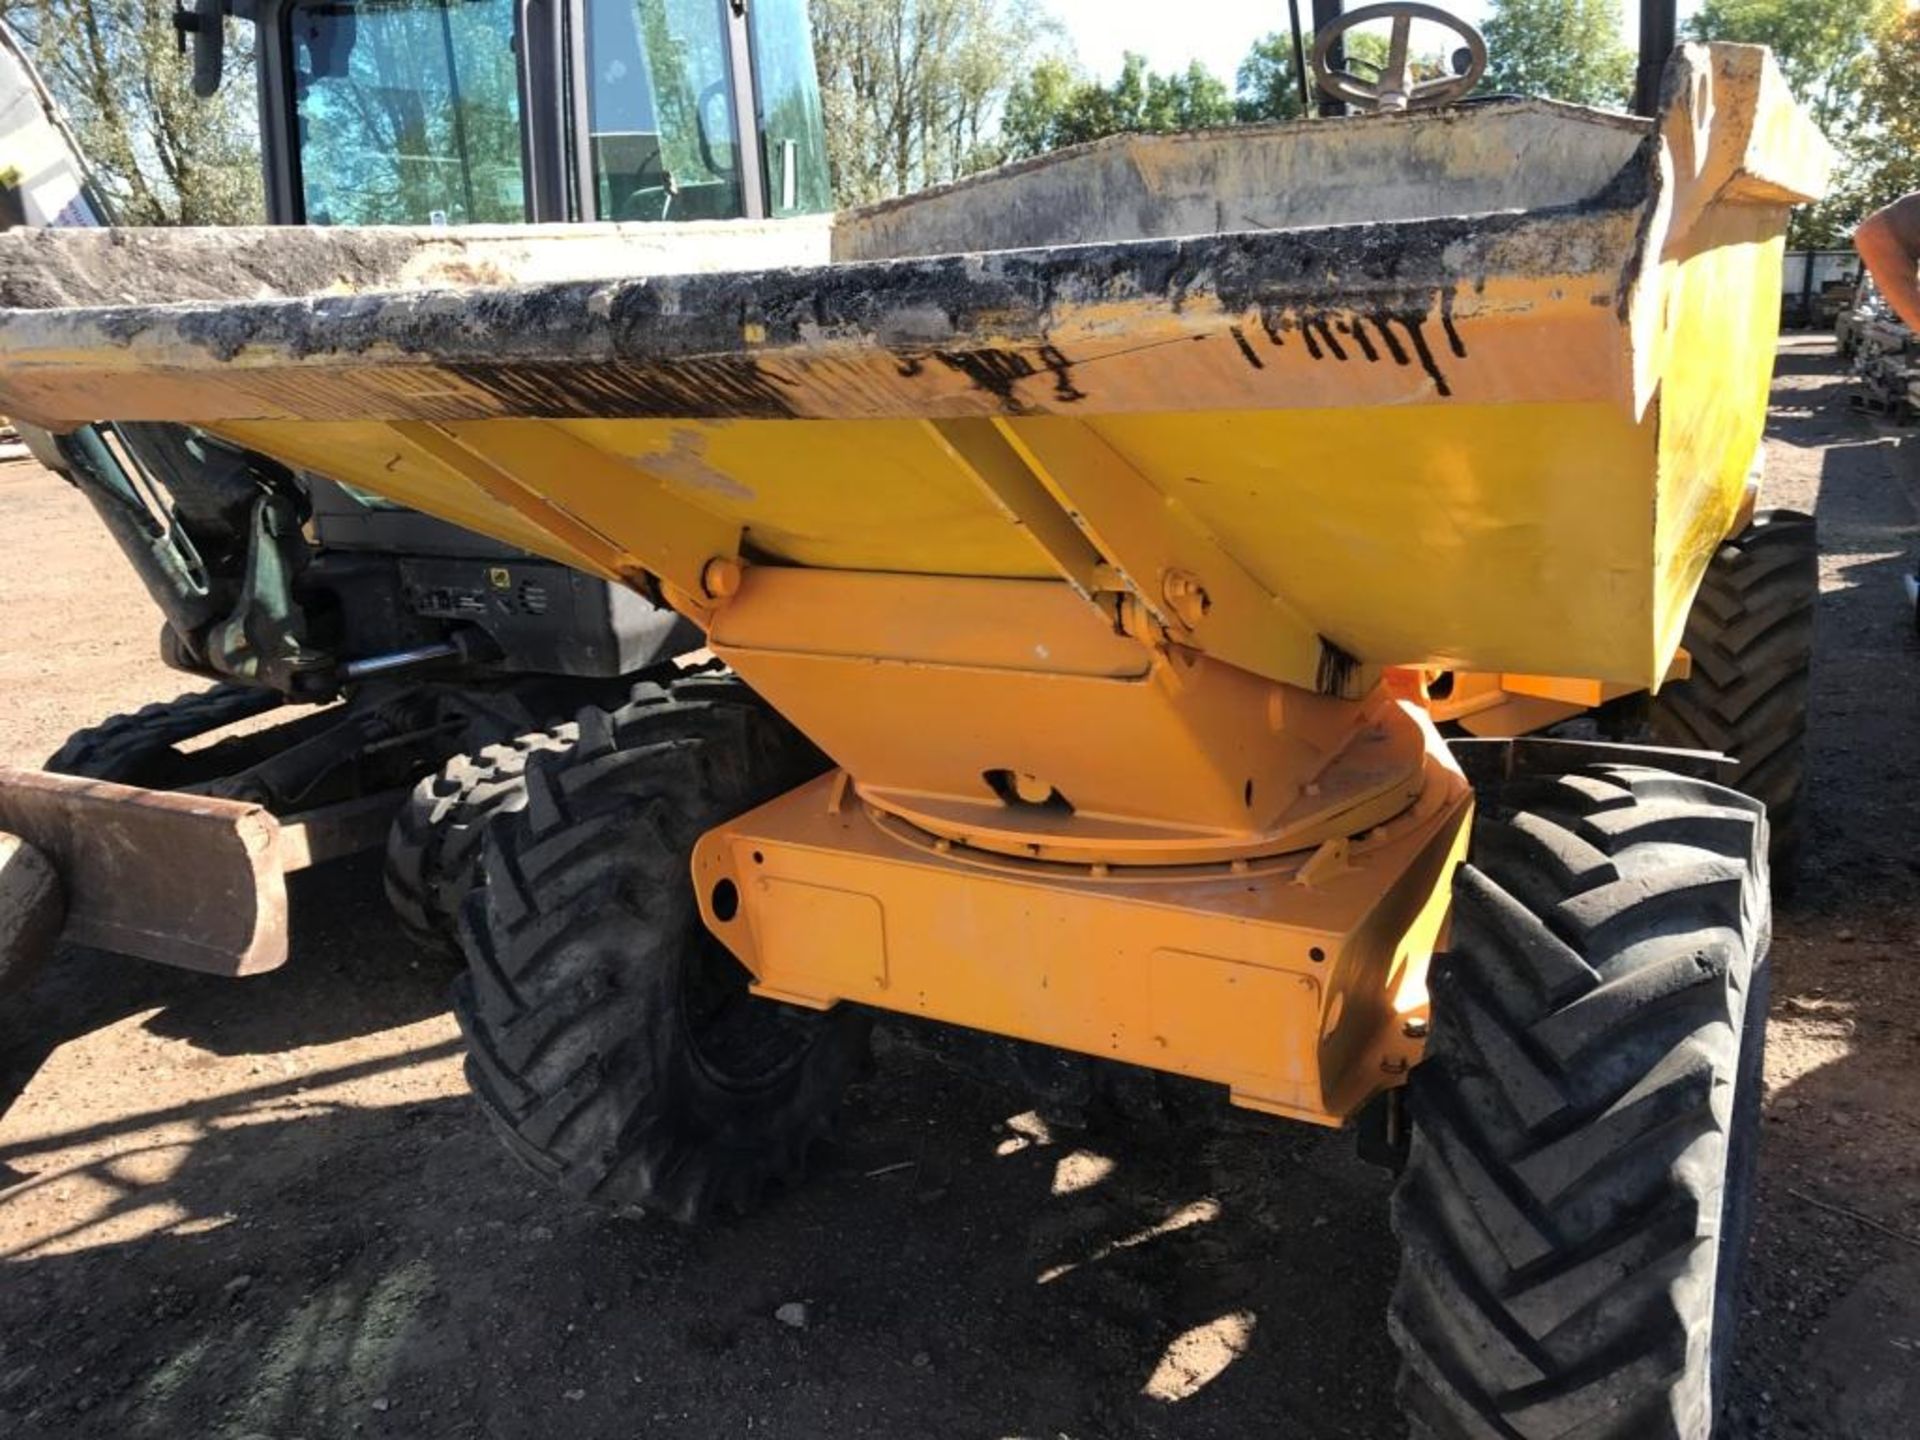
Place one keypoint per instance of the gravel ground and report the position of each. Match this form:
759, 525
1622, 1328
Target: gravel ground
266, 1208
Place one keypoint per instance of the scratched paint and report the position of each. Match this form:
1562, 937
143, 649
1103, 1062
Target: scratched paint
1337, 295
685, 461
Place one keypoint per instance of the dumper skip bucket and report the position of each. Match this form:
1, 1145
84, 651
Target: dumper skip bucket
1470, 388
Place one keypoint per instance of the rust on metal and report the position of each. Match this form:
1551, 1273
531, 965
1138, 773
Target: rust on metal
217, 904
313, 837
218, 901
32, 904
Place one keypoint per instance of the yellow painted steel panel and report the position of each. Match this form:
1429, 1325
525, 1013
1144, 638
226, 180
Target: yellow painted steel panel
1409, 535
1293, 991
869, 495
832, 941
369, 455
1723, 318
1496, 422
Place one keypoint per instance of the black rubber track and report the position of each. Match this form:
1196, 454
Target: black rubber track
1750, 634
610, 1037
1573, 1212
433, 846
138, 749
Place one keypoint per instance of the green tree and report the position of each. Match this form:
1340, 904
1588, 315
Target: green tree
1055, 106
162, 155
913, 89
1195, 99
1825, 47
1889, 123
1267, 85
1034, 105
1881, 159
1835, 55
1564, 49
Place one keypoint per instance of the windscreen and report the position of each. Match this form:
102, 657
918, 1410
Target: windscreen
793, 132
660, 106
408, 112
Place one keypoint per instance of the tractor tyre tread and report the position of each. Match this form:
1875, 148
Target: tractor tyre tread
132, 748
1750, 635
1573, 1211
581, 943
433, 846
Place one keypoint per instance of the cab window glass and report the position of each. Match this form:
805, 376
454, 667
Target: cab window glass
793, 134
407, 112
660, 107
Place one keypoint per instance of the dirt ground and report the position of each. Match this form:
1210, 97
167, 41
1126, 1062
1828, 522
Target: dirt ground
267, 1209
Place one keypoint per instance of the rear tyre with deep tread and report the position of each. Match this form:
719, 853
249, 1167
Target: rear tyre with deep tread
611, 1038
1574, 1209
1750, 634
433, 846
138, 748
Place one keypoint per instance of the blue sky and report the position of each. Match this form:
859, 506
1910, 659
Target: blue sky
1215, 32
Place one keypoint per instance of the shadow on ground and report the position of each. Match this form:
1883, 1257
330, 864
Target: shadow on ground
351, 972
1831, 1339
961, 1276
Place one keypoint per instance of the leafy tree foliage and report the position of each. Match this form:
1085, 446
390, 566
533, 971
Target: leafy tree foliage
1833, 52
1883, 148
913, 88
1267, 85
1889, 131
1825, 47
1055, 106
1035, 105
1562, 49
162, 155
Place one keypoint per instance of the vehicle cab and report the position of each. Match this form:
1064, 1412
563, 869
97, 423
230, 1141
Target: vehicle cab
460, 112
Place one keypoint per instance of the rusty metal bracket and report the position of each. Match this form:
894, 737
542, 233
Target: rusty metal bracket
184, 880
32, 905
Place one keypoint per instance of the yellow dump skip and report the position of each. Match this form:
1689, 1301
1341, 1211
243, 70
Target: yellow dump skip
1476, 389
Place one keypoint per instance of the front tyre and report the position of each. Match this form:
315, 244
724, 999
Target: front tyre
611, 1039
1575, 1206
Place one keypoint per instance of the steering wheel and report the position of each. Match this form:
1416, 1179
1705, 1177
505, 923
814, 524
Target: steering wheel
1396, 89
661, 195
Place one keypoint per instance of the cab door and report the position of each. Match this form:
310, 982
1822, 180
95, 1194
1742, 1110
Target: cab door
658, 89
